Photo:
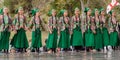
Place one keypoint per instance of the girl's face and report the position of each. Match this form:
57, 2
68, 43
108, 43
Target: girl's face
89, 12
53, 13
21, 11
96, 12
5, 10
113, 13
77, 12
37, 13
102, 13
65, 13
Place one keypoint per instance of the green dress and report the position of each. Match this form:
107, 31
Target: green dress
98, 36
5, 34
89, 35
64, 41
114, 34
105, 36
20, 39
113, 38
105, 33
36, 33
52, 37
76, 38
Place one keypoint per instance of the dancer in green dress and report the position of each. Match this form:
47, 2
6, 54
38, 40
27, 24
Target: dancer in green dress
98, 34
19, 40
53, 32
113, 30
105, 33
64, 41
77, 40
90, 30
5, 28
35, 23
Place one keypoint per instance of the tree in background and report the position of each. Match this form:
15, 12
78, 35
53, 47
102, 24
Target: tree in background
14, 4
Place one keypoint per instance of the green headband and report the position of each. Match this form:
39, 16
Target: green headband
86, 9
20, 8
111, 12
34, 11
61, 12
93, 13
1, 11
50, 12
102, 9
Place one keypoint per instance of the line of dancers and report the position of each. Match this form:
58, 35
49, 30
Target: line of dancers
95, 32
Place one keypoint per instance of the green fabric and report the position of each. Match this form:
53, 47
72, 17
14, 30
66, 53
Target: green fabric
111, 12
86, 9
64, 41
36, 39
4, 39
6, 20
93, 12
50, 12
89, 38
98, 39
113, 38
1, 11
34, 11
52, 39
20, 8
61, 12
105, 36
77, 37
5, 35
20, 39
13, 41
101, 9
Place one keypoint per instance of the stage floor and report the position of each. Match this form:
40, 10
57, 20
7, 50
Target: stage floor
62, 56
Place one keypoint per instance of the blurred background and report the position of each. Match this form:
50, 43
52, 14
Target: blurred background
46, 5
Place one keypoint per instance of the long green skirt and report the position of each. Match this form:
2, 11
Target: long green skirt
36, 39
98, 39
64, 41
77, 39
20, 40
89, 38
52, 39
5, 35
105, 36
113, 38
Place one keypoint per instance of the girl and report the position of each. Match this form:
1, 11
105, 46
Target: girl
77, 40
105, 33
19, 40
98, 35
36, 30
113, 31
90, 30
64, 41
5, 28
53, 34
